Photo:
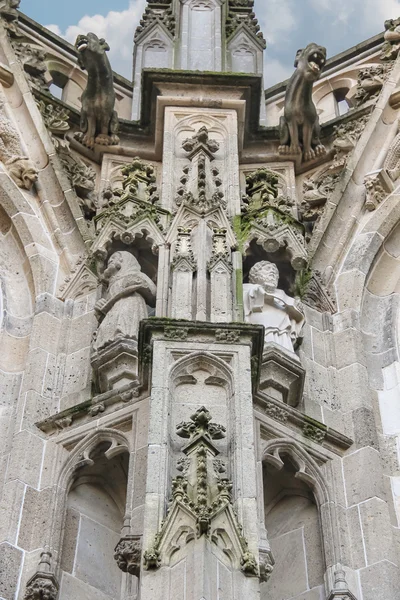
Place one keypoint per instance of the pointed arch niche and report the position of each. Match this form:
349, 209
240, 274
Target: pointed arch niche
93, 515
300, 521
201, 35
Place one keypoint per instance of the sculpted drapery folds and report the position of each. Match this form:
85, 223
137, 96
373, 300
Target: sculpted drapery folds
99, 121
299, 125
124, 305
266, 305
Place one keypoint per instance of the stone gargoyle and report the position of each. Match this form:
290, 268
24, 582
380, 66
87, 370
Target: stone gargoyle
299, 125
99, 121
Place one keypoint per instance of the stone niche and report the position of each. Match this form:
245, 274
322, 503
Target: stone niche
292, 522
94, 518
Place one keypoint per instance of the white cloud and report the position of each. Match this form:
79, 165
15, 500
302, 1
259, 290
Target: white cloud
275, 71
369, 14
276, 17
117, 28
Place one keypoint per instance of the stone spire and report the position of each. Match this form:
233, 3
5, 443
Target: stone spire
197, 35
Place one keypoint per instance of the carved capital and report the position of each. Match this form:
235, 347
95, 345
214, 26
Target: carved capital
43, 585
128, 554
267, 564
378, 186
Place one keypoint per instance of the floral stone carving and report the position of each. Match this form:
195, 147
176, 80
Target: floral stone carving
200, 497
128, 554
82, 178
266, 305
370, 82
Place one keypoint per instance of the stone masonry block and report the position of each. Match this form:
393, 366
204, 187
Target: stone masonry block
350, 287
365, 433
10, 564
45, 332
349, 348
380, 581
353, 390
10, 510
377, 531
35, 521
26, 458
363, 476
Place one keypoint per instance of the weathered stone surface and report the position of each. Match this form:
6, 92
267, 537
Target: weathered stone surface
358, 487
10, 563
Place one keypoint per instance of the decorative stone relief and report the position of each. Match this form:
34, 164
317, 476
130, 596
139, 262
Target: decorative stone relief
316, 434
128, 554
184, 258
269, 216
136, 200
392, 161
243, 15
370, 83
265, 189
317, 295
156, 14
266, 305
346, 137
316, 191
377, 185
55, 118
200, 181
391, 46
220, 250
99, 121
43, 585
19, 167
83, 180
299, 125
200, 498
33, 60
8, 9
267, 563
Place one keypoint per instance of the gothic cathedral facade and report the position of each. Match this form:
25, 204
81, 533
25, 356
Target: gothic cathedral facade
199, 314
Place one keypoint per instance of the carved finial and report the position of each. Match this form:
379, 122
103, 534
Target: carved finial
201, 425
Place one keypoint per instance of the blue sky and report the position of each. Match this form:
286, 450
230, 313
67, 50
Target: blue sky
287, 24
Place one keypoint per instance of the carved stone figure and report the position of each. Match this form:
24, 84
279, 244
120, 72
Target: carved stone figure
266, 305
299, 126
99, 121
391, 47
392, 161
8, 9
124, 306
19, 167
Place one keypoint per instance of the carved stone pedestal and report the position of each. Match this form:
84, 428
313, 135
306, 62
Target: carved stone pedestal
116, 365
282, 375
43, 585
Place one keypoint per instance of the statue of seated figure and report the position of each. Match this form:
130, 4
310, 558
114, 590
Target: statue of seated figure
266, 305
124, 305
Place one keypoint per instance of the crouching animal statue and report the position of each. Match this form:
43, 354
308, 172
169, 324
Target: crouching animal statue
99, 121
299, 126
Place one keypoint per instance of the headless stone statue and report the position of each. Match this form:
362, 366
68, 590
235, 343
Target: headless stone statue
124, 306
266, 305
